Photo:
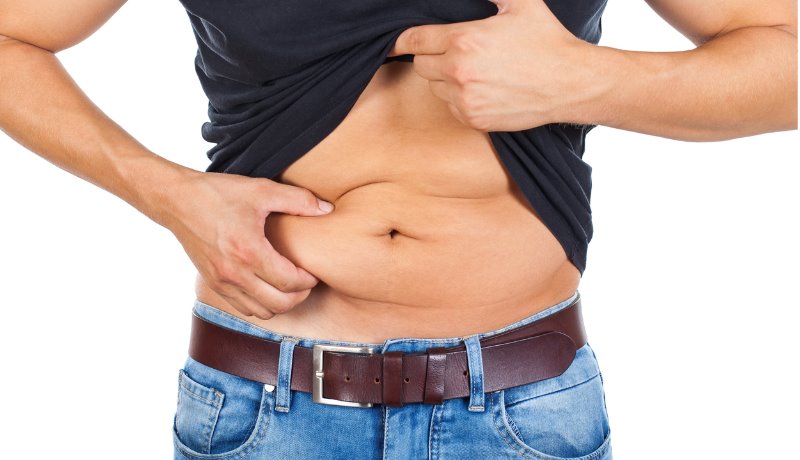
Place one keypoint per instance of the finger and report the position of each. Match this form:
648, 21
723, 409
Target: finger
297, 201
256, 298
269, 299
241, 302
278, 271
424, 39
244, 303
430, 66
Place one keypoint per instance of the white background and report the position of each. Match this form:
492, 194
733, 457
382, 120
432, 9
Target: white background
688, 293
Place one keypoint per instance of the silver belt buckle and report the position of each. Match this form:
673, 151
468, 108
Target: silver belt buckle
316, 389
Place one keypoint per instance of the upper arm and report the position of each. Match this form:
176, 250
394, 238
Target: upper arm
702, 20
54, 25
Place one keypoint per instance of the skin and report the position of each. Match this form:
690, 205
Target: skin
501, 74
451, 250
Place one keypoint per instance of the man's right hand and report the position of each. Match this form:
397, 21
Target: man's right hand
219, 219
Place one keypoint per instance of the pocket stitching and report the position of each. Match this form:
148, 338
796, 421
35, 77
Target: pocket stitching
503, 431
528, 398
213, 406
241, 452
526, 451
571, 376
217, 393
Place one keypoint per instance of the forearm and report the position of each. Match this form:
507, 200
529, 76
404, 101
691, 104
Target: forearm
739, 84
43, 109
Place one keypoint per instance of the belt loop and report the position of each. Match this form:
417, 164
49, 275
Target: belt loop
283, 387
392, 378
475, 364
434, 375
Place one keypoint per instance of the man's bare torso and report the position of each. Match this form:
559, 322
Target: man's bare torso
430, 236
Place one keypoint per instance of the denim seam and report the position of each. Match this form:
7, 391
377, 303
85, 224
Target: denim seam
475, 366
207, 424
217, 311
527, 451
303, 341
211, 310
558, 390
213, 417
535, 317
434, 433
216, 403
555, 308
283, 388
213, 407
263, 422
502, 432
387, 442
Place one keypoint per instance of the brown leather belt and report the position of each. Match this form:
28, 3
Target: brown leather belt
356, 376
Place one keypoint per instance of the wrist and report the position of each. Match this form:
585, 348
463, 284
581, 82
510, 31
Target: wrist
589, 99
157, 186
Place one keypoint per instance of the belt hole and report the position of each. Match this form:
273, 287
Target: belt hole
346, 378
407, 379
465, 372
377, 380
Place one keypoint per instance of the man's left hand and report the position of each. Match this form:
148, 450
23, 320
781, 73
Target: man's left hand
508, 72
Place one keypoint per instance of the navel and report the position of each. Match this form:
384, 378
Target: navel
395, 234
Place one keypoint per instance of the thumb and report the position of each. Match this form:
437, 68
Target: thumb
424, 39
298, 201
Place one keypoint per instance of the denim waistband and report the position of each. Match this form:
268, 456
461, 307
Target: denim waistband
408, 344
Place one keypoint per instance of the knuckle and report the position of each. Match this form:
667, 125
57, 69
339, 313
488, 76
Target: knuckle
283, 304
244, 310
283, 285
224, 273
308, 198
471, 110
236, 249
463, 39
267, 191
300, 296
468, 119
414, 39
263, 314
279, 308
460, 74
215, 284
465, 103
475, 122
265, 185
225, 289
246, 255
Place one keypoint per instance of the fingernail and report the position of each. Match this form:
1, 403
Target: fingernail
325, 206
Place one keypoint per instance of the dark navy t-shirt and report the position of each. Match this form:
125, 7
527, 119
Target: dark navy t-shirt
280, 75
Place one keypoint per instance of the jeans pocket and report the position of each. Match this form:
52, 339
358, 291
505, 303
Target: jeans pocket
219, 416
559, 418
197, 413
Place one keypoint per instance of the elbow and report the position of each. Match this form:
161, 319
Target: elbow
6, 40
789, 28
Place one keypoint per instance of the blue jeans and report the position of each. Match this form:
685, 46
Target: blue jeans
222, 416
